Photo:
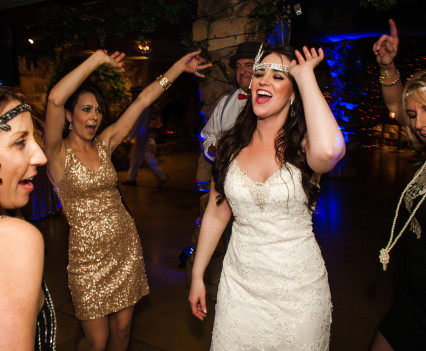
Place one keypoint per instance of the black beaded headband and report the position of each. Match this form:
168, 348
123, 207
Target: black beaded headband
12, 113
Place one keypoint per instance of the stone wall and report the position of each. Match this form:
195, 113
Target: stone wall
223, 24
33, 83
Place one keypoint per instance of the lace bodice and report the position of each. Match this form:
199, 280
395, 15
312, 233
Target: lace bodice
273, 293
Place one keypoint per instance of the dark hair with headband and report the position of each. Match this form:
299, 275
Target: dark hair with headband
8, 95
288, 144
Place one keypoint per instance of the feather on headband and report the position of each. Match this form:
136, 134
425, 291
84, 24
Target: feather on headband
409, 93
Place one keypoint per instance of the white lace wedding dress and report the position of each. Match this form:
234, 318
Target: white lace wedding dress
273, 292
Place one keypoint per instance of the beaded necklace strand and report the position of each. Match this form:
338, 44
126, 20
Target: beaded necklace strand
384, 253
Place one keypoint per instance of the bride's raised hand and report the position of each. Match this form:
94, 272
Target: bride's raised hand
308, 61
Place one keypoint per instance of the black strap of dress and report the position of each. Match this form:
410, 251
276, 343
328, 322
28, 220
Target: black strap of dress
46, 324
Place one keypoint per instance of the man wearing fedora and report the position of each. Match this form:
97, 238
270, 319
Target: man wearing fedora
229, 106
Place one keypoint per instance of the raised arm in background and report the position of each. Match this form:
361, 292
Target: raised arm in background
386, 49
116, 132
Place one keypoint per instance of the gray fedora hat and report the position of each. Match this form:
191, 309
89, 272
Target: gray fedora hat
245, 50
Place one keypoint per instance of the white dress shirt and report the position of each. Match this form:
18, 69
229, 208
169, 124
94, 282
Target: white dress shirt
222, 118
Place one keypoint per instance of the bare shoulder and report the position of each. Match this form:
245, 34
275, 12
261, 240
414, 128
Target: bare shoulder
20, 241
17, 229
21, 257
21, 262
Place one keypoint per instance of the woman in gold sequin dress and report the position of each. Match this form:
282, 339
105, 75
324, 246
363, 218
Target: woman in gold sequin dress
106, 273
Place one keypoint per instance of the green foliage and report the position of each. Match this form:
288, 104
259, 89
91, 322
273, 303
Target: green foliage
380, 5
62, 27
116, 83
111, 83
270, 12
193, 45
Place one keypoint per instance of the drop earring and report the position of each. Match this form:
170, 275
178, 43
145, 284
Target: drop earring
70, 126
292, 112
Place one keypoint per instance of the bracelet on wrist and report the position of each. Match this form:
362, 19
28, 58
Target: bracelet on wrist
382, 77
164, 82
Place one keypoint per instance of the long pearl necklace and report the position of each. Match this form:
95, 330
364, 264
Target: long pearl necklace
384, 253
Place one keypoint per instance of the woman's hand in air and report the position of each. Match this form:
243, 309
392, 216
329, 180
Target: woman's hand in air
308, 61
193, 63
115, 60
386, 47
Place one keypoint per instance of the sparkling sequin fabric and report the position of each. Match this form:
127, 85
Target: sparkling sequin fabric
418, 188
46, 324
106, 271
273, 292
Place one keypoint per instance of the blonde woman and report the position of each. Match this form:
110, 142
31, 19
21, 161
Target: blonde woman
27, 316
404, 326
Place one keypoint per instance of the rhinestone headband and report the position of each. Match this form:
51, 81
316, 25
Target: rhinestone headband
421, 89
265, 65
12, 113
274, 66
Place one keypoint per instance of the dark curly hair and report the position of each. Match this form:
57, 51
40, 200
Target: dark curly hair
288, 144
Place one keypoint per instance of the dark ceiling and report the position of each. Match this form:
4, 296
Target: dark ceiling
8, 4
345, 19
321, 20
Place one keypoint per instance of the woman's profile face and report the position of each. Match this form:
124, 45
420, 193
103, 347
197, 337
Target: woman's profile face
272, 89
19, 156
416, 111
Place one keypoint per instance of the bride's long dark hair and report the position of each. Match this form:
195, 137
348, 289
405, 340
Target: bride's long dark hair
288, 144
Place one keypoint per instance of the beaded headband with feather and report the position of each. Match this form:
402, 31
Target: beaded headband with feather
409, 93
6, 117
265, 65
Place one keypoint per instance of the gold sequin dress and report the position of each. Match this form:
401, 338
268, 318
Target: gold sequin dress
106, 271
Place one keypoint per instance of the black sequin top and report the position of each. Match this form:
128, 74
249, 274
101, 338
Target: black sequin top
45, 339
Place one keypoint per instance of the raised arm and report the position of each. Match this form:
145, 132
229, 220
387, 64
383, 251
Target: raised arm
213, 224
324, 145
116, 132
21, 261
385, 50
55, 112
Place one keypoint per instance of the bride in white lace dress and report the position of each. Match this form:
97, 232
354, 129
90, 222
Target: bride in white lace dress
273, 293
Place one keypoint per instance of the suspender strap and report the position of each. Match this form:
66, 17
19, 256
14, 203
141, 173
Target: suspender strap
228, 99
